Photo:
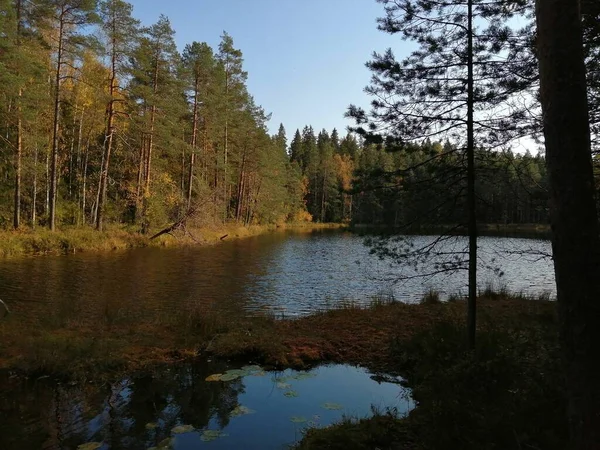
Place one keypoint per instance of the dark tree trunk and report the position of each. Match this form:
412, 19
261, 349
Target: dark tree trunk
471, 197
576, 240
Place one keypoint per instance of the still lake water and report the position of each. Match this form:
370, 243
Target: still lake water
287, 273
290, 274
177, 408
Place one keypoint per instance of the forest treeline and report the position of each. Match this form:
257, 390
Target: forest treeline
104, 121
405, 184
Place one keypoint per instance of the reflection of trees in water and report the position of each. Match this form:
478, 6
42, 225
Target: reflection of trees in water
59, 416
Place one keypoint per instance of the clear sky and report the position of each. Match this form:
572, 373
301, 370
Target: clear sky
305, 58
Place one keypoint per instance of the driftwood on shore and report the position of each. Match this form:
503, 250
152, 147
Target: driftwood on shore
180, 224
4, 306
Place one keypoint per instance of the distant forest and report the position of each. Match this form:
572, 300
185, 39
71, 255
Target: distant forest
104, 121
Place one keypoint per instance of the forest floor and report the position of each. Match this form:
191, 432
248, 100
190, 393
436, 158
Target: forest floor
85, 239
507, 394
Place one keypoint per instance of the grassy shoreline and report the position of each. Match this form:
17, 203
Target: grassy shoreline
361, 335
86, 239
529, 230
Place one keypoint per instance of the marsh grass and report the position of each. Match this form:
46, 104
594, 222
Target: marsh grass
507, 394
120, 237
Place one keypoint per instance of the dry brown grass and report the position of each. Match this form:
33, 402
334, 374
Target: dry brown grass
347, 335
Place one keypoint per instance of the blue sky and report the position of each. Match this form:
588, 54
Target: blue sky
305, 58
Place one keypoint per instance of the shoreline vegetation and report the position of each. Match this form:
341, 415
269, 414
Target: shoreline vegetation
507, 394
85, 239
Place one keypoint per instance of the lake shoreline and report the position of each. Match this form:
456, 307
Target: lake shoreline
348, 334
70, 240
527, 230
424, 343
23, 243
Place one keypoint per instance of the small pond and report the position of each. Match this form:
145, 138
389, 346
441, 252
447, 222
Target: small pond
176, 407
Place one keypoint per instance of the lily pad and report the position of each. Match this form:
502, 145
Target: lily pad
298, 419
252, 369
291, 394
241, 411
182, 429
230, 377
90, 446
211, 435
214, 377
332, 406
151, 426
238, 372
283, 386
303, 376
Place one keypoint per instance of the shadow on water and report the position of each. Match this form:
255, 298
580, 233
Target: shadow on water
176, 408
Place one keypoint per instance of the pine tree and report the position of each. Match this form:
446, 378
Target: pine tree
575, 229
234, 97
69, 16
200, 70
120, 30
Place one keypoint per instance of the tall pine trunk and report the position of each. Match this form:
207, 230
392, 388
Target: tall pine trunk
18, 157
108, 134
575, 230
190, 191
55, 127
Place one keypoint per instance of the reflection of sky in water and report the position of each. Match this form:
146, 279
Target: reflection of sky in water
139, 413
271, 427
306, 275
288, 273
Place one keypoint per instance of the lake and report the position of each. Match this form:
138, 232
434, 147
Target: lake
286, 273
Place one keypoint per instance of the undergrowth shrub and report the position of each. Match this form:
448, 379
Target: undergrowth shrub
506, 394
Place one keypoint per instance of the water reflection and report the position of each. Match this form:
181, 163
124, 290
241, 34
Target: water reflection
142, 412
288, 273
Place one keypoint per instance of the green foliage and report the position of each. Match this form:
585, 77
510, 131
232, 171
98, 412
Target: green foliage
185, 131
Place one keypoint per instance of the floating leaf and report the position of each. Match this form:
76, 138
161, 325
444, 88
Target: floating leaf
230, 377
90, 446
214, 377
283, 386
252, 369
241, 411
238, 372
290, 394
332, 406
262, 373
151, 426
298, 419
211, 435
303, 376
182, 429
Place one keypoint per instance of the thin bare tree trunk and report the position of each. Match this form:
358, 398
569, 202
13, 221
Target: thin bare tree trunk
34, 193
55, 125
471, 197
